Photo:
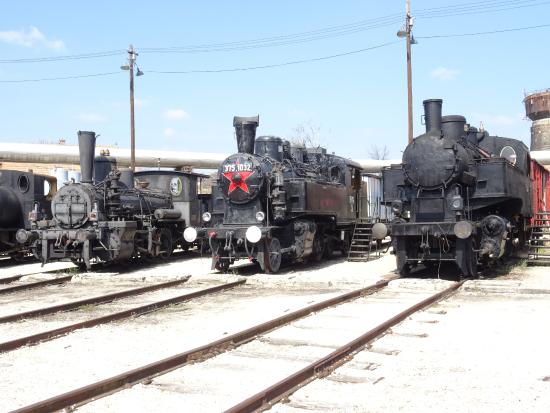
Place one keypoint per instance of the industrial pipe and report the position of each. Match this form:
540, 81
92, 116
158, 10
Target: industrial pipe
66, 154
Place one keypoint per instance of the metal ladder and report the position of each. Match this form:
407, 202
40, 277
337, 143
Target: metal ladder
361, 242
539, 242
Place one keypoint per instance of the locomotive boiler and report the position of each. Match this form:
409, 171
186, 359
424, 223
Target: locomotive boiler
459, 195
109, 220
273, 202
24, 196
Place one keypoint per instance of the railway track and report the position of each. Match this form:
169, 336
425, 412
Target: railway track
132, 312
322, 366
197, 355
36, 284
72, 305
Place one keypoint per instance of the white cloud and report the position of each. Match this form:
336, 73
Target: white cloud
141, 103
91, 117
444, 73
168, 132
175, 114
30, 38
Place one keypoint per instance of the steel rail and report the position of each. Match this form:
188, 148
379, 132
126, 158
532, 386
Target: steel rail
132, 312
11, 278
7, 280
29, 286
93, 300
271, 395
119, 382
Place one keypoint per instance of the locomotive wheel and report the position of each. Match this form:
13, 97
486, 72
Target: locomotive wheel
18, 256
79, 262
166, 246
272, 262
317, 249
466, 258
328, 250
222, 265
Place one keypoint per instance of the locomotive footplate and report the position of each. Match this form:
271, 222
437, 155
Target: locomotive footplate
237, 232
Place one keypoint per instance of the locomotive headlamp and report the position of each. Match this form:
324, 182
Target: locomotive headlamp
206, 217
190, 234
260, 216
253, 234
463, 229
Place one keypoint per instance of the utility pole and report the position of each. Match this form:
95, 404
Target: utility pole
408, 28
406, 32
132, 56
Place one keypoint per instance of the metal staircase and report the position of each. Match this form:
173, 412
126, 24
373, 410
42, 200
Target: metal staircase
539, 243
361, 248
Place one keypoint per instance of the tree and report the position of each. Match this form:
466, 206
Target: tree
375, 152
306, 134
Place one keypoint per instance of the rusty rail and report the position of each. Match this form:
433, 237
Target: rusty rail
132, 312
7, 280
113, 384
87, 301
29, 286
265, 398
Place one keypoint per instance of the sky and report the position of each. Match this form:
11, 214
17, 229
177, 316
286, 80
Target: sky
354, 102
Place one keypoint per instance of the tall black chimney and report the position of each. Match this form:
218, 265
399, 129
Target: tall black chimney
245, 129
86, 147
432, 114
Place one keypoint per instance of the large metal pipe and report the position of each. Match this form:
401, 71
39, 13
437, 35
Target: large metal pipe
245, 129
86, 146
68, 155
65, 154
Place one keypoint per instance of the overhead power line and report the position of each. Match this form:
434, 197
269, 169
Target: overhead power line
289, 63
44, 79
294, 62
516, 29
459, 9
66, 57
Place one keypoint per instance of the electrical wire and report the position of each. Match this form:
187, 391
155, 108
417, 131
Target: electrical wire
66, 57
441, 36
294, 62
459, 9
44, 79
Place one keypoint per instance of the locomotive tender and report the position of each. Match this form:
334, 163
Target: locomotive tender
273, 202
24, 196
109, 219
459, 195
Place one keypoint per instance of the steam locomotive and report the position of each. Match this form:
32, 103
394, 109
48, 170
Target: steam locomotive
109, 218
459, 195
275, 202
24, 196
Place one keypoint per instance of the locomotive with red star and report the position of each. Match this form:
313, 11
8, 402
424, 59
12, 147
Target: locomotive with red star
274, 202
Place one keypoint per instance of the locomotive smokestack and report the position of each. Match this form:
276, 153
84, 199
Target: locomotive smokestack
432, 114
86, 147
245, 129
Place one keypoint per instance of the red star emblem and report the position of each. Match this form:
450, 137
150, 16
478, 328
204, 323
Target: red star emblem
237, 180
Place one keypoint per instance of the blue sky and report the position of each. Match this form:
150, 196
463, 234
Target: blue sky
355, 101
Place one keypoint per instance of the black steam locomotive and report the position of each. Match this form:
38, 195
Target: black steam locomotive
110, 218
460, 195
274, 202
24, 196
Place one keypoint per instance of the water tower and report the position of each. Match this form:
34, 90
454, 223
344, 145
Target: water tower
537, 108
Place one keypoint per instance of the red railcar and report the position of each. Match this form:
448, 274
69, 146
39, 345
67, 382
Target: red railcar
540, 177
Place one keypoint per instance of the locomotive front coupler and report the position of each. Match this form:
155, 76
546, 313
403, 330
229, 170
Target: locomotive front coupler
228, 240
